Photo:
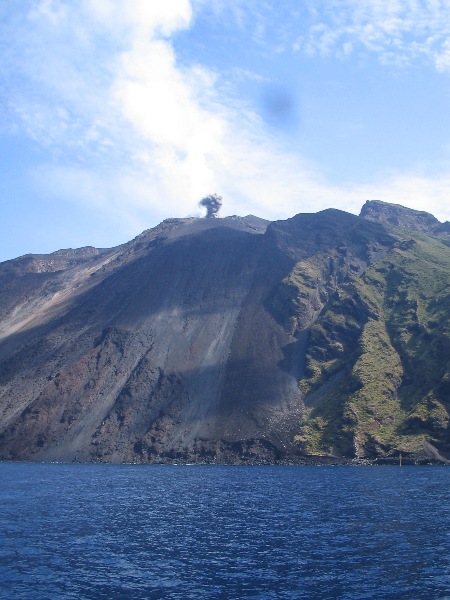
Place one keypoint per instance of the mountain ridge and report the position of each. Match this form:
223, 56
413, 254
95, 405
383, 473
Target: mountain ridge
232, 340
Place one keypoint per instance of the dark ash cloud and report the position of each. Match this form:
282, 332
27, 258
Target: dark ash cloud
212, 204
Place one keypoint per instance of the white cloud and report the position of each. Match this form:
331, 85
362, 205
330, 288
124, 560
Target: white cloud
139, 138
157, 135
140, 18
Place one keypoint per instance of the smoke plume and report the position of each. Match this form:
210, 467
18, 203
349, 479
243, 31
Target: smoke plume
212, 204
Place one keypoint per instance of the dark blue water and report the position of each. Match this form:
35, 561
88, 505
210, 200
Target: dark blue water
104, 531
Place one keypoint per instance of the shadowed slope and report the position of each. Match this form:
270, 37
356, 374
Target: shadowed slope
231, 340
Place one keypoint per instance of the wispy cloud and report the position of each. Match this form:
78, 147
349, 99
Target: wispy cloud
398, 32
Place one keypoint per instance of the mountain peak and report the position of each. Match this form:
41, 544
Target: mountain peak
321, 337
399, 216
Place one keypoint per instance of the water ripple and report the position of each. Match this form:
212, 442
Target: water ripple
108, 531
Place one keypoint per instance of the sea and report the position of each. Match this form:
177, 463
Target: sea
206, 531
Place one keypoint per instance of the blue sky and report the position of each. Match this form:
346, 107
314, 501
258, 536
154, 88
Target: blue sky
116, 114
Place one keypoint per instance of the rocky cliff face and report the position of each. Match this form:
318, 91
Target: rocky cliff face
377, 354
232, 340
405, 218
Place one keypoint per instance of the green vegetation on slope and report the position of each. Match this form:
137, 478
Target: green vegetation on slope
377, 373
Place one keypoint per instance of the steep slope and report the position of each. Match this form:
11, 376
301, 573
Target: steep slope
377, 361
322, 337
149, 356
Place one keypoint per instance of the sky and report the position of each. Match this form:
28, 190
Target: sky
117, 114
